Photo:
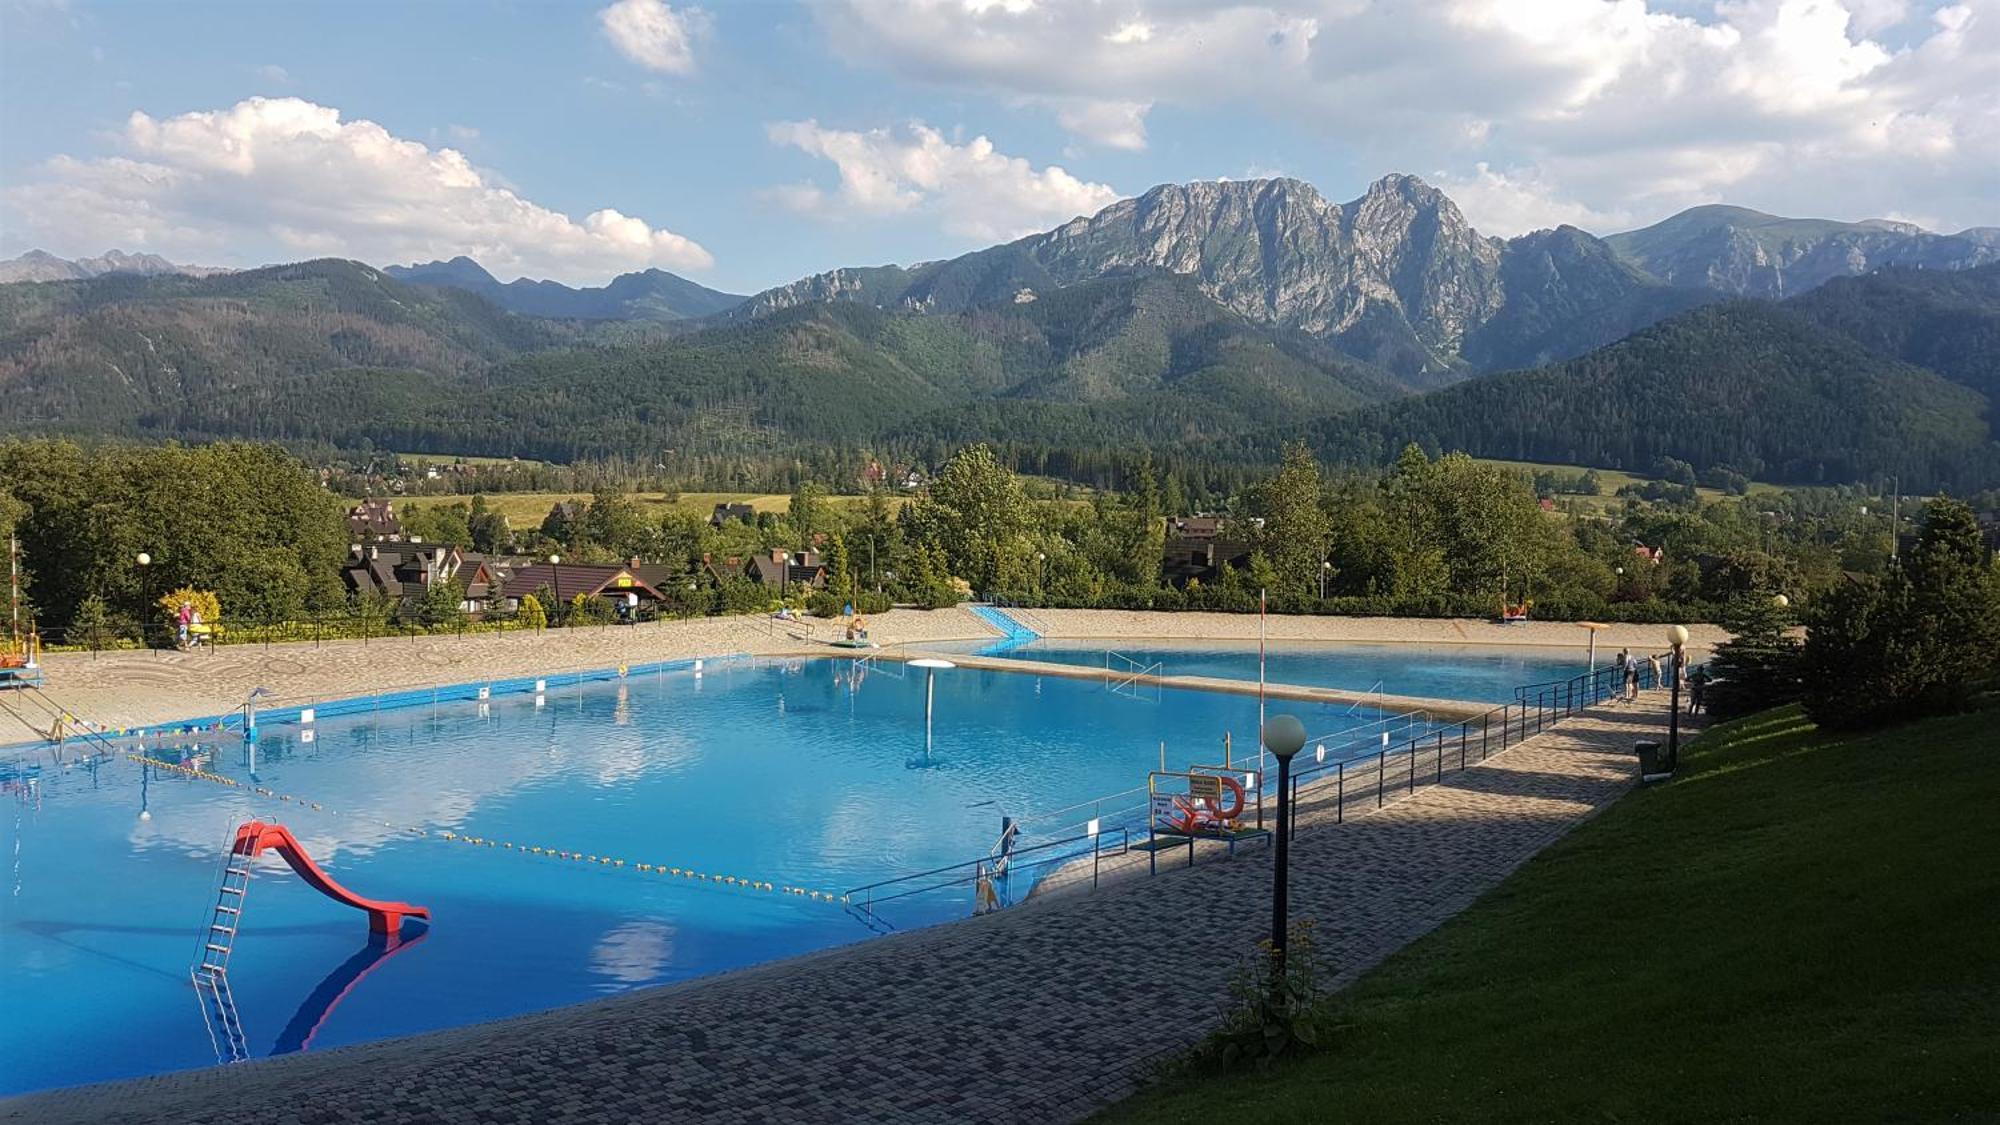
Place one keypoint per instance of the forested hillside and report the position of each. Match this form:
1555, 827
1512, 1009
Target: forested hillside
1890, 374
1946, 321
647, 295
1137, 359
124, 353
1750, 386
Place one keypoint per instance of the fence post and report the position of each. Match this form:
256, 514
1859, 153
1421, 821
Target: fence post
1339, 792
1381, 771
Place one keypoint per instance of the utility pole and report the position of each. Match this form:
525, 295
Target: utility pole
1895, 522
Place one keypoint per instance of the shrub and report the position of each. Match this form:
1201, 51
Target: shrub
1271, 1019
204, 603
531, 615
586, 610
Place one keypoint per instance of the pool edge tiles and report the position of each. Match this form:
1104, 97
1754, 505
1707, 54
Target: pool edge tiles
385, 700
1302, 693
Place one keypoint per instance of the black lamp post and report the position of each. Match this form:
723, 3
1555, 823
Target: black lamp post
1283, 736
1677, 636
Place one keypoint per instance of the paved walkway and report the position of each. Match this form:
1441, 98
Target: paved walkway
1043, 1012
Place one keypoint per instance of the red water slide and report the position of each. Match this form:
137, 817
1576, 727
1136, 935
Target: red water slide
256, 837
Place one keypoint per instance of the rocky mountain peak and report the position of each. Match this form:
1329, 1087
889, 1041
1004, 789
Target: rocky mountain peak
40, 265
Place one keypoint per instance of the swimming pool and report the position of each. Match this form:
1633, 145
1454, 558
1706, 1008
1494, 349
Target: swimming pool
813, 774
1486, 673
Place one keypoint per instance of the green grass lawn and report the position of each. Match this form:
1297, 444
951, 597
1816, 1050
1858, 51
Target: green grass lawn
1803, 927
1611, 480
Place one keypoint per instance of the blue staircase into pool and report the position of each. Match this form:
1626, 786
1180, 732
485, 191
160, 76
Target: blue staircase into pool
1016, 634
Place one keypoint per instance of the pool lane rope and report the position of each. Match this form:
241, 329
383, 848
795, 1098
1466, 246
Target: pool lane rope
733, 881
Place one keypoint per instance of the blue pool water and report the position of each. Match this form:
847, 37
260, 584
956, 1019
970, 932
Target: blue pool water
1488, 673
800, 773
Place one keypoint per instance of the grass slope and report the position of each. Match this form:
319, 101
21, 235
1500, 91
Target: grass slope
1801, 928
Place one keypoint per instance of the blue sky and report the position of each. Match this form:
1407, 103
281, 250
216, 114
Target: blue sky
746, 144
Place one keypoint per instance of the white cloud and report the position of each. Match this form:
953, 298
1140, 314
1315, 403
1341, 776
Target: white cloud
274, 74
1114, 124
1508, 204
654, 35
973, 189
1850, 107
289, 178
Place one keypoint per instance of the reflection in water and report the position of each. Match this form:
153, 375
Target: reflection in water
634, 953
318, 1007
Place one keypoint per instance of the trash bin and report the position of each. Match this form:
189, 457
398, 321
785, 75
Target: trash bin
1654, 762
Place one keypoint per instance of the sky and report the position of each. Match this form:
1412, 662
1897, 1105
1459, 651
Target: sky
746, 143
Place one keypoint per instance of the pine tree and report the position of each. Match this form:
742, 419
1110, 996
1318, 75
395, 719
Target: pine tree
1758, 667
1919, 641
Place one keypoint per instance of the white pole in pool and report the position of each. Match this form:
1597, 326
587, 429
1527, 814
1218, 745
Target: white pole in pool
930, 665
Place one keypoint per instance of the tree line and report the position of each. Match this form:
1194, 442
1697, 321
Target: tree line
1423, 535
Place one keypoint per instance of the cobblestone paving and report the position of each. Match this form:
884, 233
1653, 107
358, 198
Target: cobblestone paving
1043, 1012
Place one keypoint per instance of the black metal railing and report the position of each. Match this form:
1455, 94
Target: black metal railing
1422, 758
867, 898
1370, 778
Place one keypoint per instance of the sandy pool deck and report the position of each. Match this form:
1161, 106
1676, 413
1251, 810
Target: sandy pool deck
133, 689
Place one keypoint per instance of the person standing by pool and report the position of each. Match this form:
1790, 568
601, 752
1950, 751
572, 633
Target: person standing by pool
1654, 660
1631, 680
1697, 682
184, 617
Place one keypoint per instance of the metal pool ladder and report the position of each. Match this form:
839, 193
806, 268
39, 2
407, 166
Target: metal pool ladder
210, 972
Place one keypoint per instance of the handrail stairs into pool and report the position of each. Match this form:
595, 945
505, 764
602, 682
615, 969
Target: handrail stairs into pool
1014, 632
1123, 678
256, 837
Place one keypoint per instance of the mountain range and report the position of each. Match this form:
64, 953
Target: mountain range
1747, 253
39, 265
1396, 278
1213, 319
648, 295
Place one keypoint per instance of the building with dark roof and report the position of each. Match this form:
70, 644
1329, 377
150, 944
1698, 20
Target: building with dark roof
617, 584
374, 519
727, 513
405, 573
